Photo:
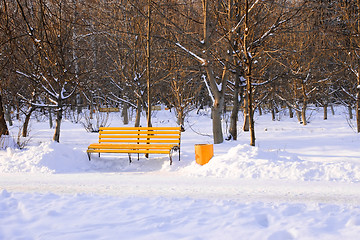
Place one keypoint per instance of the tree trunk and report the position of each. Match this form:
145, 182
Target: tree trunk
248, 65
59, 115
260, 110
235, 110
125, 114
250, 108
78, 103
26, 122
8, 115
358, 103
91, 116
325, 112
180, 116
303, 113
148, 64
3, 127
232, 20
17, 110
291, 113
358, 79
246, 126
138, 113
217, 129
303, 110
233, 122
234, 118
298, 115
350, 112
218, 94
50, 118
332, 110
273, 117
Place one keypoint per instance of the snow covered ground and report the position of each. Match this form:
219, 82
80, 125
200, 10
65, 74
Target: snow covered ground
299, 182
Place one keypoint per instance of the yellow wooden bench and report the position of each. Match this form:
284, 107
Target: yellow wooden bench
147, 140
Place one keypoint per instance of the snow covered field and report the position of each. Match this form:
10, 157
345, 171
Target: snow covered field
299, 182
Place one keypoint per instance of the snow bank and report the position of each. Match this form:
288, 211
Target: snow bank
48, 157
52, 157
244, 161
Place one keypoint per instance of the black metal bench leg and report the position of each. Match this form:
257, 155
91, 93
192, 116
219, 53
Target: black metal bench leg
89, 156
129, 158
170, 155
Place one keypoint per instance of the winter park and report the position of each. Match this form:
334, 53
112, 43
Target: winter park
154, 119
299, 182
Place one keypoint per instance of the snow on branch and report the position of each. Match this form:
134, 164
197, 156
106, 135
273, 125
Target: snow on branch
52, 92
312, 90
239, 23
53, 101
261, 100
208, 88
38, 104
266, 82
307, 76
137, 94
24, 74
115, 84
70, 94
44, 105
354, 71
200, 59
347, 93
119, 99
86, 97
35, 78
288, 103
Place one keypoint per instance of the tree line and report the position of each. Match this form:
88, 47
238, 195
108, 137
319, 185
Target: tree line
248, 54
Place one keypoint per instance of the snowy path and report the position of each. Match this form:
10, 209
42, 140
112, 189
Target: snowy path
176, 186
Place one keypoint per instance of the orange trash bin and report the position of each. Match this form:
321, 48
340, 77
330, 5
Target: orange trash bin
203, 153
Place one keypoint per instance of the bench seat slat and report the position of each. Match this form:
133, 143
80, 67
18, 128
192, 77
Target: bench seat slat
132, 146
139, 128
140, 132
153, 151
139, 141
136, 136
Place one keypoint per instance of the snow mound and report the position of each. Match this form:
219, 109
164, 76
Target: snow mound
244, 161
241, 161
48, 157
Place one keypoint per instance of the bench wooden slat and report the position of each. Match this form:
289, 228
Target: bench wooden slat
139, 141
128, 151
140, 132
136, 136
149, 140
131, 146
139, 128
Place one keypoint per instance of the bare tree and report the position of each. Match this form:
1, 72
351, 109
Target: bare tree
348, 52
49, 57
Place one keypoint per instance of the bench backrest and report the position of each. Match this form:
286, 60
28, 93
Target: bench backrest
169, 135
